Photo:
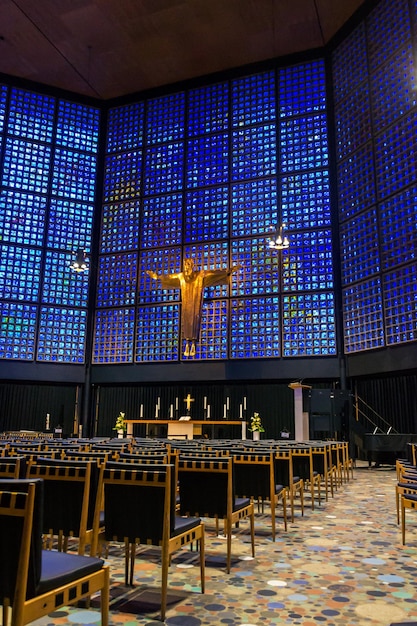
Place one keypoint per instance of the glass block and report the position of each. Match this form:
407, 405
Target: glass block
114, 335
61, 285
161, 221
31, 115
400, 297
309, 327
18, 331
74, 175
26, 165
20, 270
61, 337
208, 109
356, 182
213, 333
120, 227
22, 218
308, 262
122, 176
212, 256
78, 126
253, 99
305, 200
349, 63
359, 247
304, 143
363, 316
395, 169
383, 40
162, 261
254, 207
393, 88
302, 89
353, 122
157, 333
164, 169
254, 152
117, 277
259, 272
125, 127
3, 99
207, 160
255, 328
207, 214
398, 225
165, 118
70, 224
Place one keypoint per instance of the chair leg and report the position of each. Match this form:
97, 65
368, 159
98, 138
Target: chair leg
202, 562
132, 562
164, 582
403, 521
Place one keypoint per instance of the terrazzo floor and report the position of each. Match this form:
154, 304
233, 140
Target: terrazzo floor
341, 564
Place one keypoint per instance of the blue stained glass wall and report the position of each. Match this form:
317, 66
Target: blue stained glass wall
206, 173
374, 76
48, 153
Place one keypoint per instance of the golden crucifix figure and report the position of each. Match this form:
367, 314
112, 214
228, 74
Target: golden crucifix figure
192, 283
188, 401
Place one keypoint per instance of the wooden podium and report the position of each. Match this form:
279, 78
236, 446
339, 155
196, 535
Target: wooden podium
301, 417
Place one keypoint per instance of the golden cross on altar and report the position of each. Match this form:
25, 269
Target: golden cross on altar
188, 401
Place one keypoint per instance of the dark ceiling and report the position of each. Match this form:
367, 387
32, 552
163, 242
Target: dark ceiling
109, 48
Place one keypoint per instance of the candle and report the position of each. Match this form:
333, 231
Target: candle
205, 402
47, 421
141, 411
176, 404
244, 403
208, 411
159, 402
224, 410
227, 402
171, 411
80, 431
156, 411
240, 411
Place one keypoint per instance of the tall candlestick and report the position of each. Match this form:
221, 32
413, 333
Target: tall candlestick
171, 411
205, 402
227, 403
244, 403
159, 402
47, 421
240, 411
156, 411
176, 404
208, 411
141, 411
224, 410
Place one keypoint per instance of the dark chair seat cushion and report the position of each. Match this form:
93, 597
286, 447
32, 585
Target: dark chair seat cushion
240, 503
408, 496
182, 524
408, 485
60, 568
279, 488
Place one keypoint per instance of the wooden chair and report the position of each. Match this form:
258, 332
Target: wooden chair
36, 582
255, 478
302, 463
284, 475
407, 501
10, 467
139, 509
70, 511
207, 488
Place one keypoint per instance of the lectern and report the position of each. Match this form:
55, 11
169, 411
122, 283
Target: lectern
301, 413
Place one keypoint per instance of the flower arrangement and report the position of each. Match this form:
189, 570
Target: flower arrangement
120, 422
256, 424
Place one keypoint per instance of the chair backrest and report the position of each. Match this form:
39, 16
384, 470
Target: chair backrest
66, 496
206, 486
139, 502
254, 475
21, 510
11, 467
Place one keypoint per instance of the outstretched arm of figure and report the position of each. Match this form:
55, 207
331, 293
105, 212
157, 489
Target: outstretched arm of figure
219, 277
167, 280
